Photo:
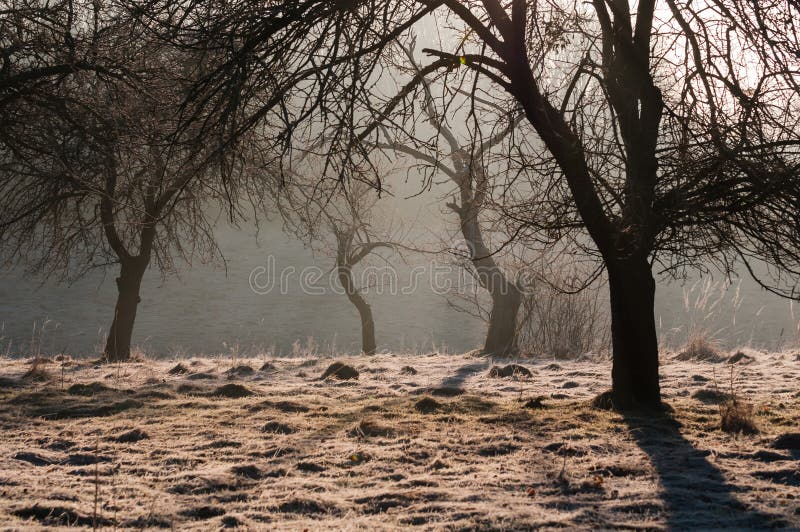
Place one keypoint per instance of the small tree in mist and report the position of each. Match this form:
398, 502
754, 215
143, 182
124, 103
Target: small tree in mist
95, 172
655, 140
341, 221
352, 228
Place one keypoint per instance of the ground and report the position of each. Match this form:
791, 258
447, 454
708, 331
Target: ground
263, 444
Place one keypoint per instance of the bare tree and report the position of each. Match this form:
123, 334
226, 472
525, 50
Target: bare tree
338, 219
656, 138
95, 171
353, 244
467, 171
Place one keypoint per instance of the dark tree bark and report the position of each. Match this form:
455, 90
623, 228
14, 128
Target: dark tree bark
634, 374
118, 344
132, 267
368, 345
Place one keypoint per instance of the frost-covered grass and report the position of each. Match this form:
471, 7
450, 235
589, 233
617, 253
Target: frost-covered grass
446, 447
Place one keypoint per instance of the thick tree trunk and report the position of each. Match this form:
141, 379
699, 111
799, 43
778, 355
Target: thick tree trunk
118, 344
368, 345
634, 374
501, 338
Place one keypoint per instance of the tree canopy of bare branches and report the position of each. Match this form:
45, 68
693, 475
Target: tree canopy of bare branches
95, 169
656, 135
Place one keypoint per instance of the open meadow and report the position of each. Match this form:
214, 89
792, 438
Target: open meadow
428, 441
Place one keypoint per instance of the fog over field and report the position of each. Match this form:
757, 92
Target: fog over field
207, 309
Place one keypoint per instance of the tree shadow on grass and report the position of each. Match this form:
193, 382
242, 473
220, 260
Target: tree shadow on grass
695, 492
78, 401
463, 373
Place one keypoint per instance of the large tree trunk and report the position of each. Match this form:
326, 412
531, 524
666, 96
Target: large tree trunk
634, 374
368, 345
501, 338
367, 328
118, 344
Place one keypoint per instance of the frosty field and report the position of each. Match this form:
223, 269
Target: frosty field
417, 441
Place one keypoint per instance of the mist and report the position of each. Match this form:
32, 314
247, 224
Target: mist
212, 308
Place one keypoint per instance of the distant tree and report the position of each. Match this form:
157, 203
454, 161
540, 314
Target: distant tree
95, 170
352, 231
656, 138
339, 220
465, 165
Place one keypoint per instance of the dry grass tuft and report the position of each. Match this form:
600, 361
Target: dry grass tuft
427, 405
603, 401
711, 396
132, 436
268, 366
232, 391
340, 371
535, 403
740, 358
408, 370
36, 372
511, 370
178, 369
87, 390
700, 348
276, 427
737, 417
369, 428
242, 370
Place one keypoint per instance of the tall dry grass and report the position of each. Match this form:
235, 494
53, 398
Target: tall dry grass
710, 311
565, 325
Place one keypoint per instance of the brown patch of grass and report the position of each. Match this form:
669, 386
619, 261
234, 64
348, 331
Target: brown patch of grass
700, 348
178, 369
276, 427
242, 370
340, 371
711, 396
510, 370
369, 428
58, 516
408, 370
36, 372
87, 390
740, 358
427, 405
603, 401
737, 417
232, 391
535, 403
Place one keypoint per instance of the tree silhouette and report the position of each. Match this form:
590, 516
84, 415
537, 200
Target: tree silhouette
95, 171
655, 138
